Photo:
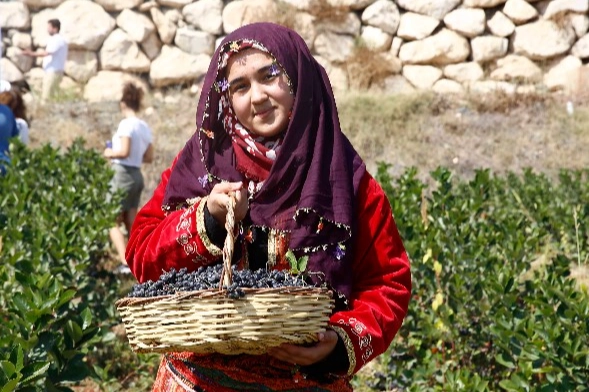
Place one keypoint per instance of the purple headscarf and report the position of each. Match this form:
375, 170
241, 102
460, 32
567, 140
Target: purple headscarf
317, 172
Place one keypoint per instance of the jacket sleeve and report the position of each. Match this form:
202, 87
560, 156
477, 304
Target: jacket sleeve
382, 288
160, 241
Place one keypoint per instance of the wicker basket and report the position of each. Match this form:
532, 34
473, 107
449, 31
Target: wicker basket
207, 321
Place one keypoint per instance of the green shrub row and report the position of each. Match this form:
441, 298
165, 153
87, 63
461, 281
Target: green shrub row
54, 220
493, 306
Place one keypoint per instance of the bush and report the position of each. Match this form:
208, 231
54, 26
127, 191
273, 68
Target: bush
493, 307
54, 224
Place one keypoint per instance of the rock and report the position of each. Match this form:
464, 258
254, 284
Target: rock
39, 26
579, 22
581, 47
489, 86
67, 84
38, 4
488, 48
469, 22
434, 8
464, 72
175, 66
482, 3
352, 4
10, 72
108, 86
84, 24
525, 89
166, 27
415, 26
241, 12
195, 42
14, 15
543, 39
302, 5
174, 15
383, 14
334, 47
151, 46
35, 78
397, 84
349, 25
147, 6
23, 63
447, 86
422, 77
118, 5
22, 40
563, 74
500, 25
304, 24
174, 3
516, 68
205, 15
376, 39
559, 7
137, 26
120, 52
81, 65
445, 47
396, 46
218, 41
519, 11
392, 62
338, 77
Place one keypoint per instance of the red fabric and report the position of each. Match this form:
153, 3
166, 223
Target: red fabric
382, 278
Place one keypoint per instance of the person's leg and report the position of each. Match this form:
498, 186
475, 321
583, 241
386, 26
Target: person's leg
129, 219
46, 89
118, 239
57, 77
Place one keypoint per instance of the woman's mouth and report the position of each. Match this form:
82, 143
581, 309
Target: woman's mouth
264, 113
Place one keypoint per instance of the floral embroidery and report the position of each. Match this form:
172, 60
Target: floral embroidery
364, 339
274, 69
234, 47
340, 251
204, 180
223, 85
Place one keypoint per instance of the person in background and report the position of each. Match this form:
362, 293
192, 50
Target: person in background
13, 99
8, 130
54, 58
131, 146
268, 132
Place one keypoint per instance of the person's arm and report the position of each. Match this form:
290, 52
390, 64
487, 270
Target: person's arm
148, 155
382, 284
160, 241
121, 153
40, 53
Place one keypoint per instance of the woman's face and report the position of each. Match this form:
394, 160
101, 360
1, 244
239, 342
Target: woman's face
259, 93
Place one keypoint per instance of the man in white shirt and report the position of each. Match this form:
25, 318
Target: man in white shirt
54, 57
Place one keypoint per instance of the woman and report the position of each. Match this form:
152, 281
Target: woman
131, 146
13, 99
268, 130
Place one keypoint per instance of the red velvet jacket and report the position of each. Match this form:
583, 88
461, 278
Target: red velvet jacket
382, 286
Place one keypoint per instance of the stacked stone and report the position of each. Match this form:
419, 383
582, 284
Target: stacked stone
444, 45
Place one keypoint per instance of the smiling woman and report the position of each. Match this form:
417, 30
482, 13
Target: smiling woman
268, 131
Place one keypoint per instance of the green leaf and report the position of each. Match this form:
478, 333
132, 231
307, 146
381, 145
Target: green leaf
66, 296
10, 386
302, 263
86, 318
8, 368
74, 331
34, 371
504, 360
509, 385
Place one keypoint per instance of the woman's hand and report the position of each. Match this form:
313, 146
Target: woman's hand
306, 356
108, 153
217, 201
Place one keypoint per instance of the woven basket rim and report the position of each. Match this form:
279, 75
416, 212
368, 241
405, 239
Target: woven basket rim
222, 294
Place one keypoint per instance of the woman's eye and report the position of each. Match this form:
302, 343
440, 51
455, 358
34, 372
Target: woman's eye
271, 75
237, 88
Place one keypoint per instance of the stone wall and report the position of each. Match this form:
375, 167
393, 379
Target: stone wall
397, 46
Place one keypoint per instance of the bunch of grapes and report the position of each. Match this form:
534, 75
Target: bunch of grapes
173, 281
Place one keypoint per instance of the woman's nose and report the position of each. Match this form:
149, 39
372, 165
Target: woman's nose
258, 93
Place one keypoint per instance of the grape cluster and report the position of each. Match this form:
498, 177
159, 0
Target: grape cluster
173, 281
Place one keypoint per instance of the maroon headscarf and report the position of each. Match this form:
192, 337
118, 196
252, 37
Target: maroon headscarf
315, 176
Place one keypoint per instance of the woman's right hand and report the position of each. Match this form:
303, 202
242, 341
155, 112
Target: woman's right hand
219, 196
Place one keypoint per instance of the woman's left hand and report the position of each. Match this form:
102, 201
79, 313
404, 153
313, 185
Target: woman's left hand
305, 356
108, 153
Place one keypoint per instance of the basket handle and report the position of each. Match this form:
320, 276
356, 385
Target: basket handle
226, 276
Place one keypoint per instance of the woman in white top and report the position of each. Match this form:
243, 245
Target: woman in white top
131, 146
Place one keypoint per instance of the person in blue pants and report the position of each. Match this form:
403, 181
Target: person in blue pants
8, 130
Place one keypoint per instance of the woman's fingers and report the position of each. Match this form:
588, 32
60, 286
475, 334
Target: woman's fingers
305, 356
219, 197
